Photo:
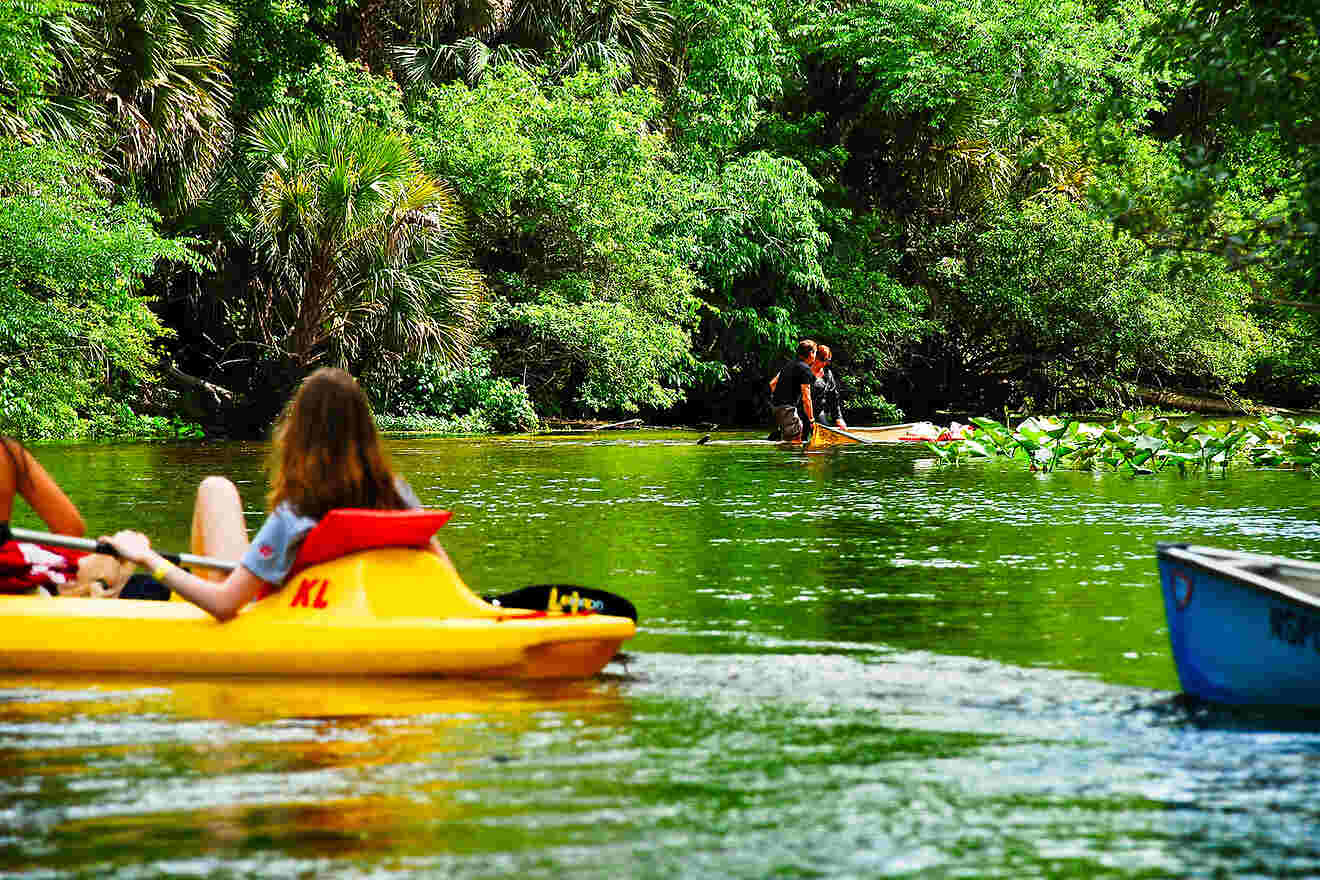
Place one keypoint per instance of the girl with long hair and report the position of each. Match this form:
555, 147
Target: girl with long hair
326, 454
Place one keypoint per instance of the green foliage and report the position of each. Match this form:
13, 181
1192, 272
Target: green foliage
870, 317
760, 214
461, 398
576, 222
1289, 371
273, 43
1047, 297
911, 181
469, 41
116, 420
151, 71
1252, 66
736, 63
1139, 444
75, 329
631, 360
27, 64
1006, 60
947, 107
346, 92
755, 214
367, 253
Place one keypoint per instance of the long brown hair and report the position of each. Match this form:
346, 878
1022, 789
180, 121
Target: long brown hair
327, 452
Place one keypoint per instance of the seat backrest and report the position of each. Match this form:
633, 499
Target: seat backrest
349, 530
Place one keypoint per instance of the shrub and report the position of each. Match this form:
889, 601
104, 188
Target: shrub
463, 399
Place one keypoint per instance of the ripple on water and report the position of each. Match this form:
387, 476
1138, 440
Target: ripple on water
830, 758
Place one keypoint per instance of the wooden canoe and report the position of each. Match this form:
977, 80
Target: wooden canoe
825, 437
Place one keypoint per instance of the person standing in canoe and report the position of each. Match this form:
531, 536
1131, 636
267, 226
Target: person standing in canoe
790, 395
326, 454
825, 390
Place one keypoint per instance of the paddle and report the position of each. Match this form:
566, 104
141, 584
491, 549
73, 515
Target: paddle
97, 547
539, 597
566, 597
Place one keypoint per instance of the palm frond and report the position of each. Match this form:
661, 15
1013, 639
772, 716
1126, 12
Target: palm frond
370, 252
420, 66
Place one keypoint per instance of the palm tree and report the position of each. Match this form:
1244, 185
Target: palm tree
29, 70
466, 40
367, 254
151, 72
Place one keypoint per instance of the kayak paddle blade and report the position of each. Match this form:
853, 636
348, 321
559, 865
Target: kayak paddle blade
566, 597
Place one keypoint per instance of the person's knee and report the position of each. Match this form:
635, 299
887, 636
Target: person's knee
215, 487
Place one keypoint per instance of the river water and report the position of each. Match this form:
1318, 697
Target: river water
854, 664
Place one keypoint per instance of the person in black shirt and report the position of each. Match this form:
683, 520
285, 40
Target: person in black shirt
825, 390
790, 395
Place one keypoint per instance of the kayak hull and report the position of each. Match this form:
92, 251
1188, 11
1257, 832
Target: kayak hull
389, 612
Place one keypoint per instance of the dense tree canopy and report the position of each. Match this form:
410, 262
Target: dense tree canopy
1250, 75
595, 208
75, 327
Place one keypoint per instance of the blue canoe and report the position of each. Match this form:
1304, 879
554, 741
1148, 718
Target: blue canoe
1245, 628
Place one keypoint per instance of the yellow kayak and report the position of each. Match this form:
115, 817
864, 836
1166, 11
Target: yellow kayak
381, 612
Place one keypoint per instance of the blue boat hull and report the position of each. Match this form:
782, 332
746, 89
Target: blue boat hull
1236, 637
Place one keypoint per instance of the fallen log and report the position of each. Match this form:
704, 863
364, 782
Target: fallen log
1200, 403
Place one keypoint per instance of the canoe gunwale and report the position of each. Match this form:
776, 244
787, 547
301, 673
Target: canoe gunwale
843, 433
1217, 562
857, 436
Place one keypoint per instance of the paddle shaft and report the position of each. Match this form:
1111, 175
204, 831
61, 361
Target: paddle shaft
554, 597
845, 433
99, 547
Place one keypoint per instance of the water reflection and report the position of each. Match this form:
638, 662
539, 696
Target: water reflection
256, 700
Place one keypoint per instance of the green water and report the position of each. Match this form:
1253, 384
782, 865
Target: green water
850, 665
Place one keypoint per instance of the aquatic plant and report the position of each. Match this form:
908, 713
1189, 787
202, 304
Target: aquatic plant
1140, 444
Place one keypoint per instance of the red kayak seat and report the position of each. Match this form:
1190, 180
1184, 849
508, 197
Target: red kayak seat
350, 530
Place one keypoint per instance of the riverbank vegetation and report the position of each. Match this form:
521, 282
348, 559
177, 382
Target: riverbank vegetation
1141, 444
494, 212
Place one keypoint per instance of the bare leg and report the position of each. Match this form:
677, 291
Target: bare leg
218, 528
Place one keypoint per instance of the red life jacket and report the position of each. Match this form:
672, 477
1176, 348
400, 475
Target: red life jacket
24, 566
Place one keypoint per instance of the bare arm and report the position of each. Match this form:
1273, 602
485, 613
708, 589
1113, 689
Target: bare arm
806, 403
222, 600
45, 496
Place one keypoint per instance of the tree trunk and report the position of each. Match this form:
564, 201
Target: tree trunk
307, 333
371, 46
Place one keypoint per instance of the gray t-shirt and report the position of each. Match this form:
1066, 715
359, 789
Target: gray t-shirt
276, 544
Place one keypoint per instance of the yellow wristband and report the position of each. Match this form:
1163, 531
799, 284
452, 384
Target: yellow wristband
158, 573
